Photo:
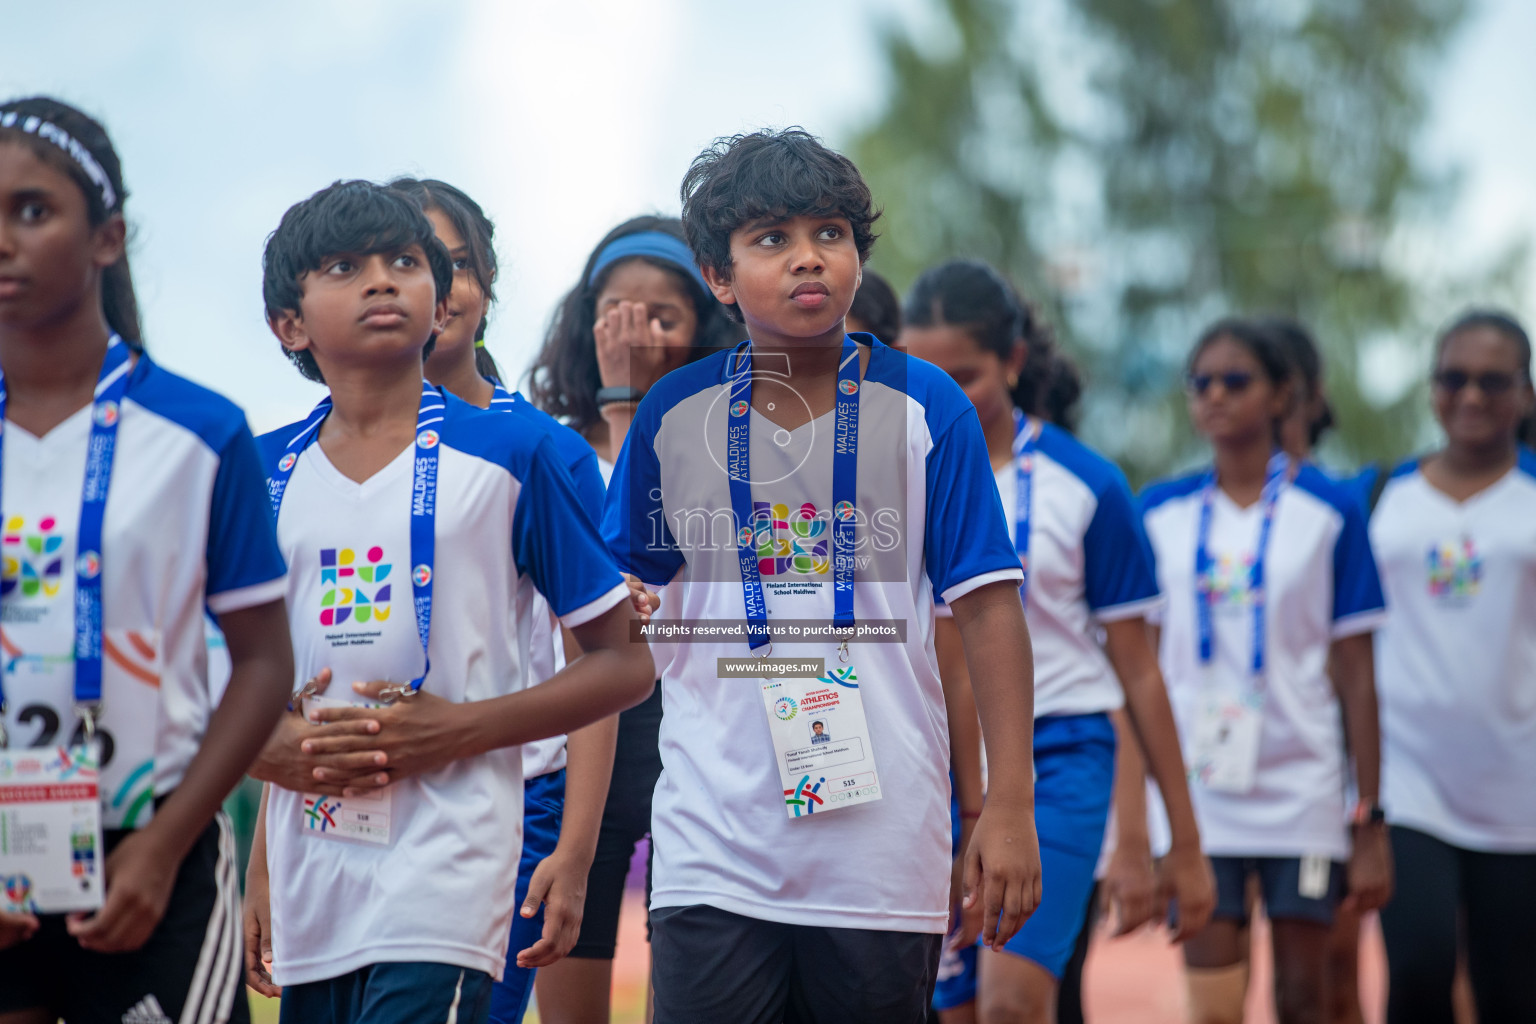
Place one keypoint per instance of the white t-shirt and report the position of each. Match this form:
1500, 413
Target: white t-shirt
929, 522
188, 528
1456, 660
1090, 564
508, 522
546, 651
1320, 585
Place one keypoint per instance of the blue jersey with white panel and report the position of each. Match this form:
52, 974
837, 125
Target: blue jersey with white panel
1089, 564
928, 522
545, 652
508, 523
187, 527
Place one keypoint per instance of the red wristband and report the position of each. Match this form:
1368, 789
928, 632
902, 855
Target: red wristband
969, 815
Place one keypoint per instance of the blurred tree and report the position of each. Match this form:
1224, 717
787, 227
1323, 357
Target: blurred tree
1143, 166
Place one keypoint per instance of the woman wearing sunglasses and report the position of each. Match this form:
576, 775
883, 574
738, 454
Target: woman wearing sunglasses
1457, 541
1268, 575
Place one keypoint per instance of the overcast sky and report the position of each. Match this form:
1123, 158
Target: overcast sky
560, 118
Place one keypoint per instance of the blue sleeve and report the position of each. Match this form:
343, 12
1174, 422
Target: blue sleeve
966, 535
588, 481
554, 540
1356, 583
1117, 558
634, 520
242, 537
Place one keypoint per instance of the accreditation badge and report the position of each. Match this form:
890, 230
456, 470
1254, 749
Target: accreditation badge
363, 818
51, 855
821, 741
1224, 749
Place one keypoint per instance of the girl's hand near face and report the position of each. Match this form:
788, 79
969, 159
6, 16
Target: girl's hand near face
632, 348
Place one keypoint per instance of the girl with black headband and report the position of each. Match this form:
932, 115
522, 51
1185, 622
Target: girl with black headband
639, 311
132, 500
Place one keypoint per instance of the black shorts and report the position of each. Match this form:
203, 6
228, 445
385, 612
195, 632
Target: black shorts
626, 820
1280, 882
709, 965
190, 969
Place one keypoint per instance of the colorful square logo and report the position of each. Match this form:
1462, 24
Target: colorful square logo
791, 543
1455, 571
352, 590
33, 558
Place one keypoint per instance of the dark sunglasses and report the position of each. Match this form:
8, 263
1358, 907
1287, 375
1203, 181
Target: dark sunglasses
1492, 383
1234, 382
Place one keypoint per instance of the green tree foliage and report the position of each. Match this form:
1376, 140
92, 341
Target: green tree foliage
1143, 166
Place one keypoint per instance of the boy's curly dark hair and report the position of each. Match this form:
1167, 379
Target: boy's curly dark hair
774, 174
357, 217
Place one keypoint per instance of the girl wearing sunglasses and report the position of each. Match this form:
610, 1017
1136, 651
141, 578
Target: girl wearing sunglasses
1269, 577
1458, 678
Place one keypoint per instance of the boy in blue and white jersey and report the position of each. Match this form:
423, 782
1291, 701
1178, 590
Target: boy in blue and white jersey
792, 876
393, 487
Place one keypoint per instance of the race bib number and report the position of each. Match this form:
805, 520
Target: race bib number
42, 692
363, 818
1224, 750
821, 741
50, 829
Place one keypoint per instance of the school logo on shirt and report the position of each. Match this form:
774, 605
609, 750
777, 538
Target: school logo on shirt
352, 591
33, 558
791, 543
1455, 570
1228, 582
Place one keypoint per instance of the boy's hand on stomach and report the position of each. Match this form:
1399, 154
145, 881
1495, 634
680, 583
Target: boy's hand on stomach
416, 734
303, 757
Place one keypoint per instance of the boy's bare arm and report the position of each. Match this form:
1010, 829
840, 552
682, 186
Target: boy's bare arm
1003, 860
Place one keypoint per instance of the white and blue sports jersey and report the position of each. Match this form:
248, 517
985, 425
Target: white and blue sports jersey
188, 529
1089, 564
1320, 585
928, 522
545, 650
508, 522
1456, 660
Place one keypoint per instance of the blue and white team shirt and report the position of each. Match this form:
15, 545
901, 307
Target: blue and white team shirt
188, 530
1321, 585
1456, 660
928, 522
1089, 564
508, 522
546, 654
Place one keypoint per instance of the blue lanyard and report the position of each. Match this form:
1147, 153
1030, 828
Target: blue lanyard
845, 443
423, 503
1026, 434
1274, 481
106, 412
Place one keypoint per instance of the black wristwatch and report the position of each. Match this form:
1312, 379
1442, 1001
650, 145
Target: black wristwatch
607, 396
1368, 814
